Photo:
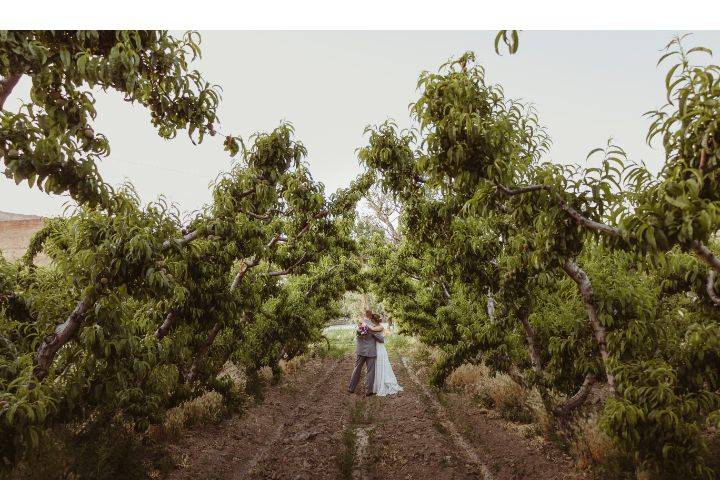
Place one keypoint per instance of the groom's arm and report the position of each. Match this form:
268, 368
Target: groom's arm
375, 328
379, 337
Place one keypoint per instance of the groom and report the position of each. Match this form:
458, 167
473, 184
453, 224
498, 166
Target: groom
365, 353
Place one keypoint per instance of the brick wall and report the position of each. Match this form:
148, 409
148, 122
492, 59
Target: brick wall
15, 236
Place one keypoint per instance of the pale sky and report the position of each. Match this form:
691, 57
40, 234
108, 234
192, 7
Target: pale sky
586, 86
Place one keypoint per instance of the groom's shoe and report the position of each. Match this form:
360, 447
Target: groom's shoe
371, 394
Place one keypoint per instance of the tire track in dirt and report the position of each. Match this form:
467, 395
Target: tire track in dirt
227, 450
299, 431
470, 453
273, 441
505, 453
408, 440
362, 436
311, 436
508, 452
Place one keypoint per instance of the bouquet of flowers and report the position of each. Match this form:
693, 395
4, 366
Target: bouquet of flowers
362, 329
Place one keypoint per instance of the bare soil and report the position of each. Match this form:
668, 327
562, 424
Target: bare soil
308, 427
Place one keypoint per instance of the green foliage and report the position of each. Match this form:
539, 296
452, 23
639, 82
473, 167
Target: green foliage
561, 276
508, 37
50, 142
139, 310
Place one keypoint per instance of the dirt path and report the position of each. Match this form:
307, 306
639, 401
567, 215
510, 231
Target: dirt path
308, 427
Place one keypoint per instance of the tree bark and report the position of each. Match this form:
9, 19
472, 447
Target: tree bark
710, 287
63, 334
7, 86
586, 292
706, 255
193, 372
163, 329
531, 337
578, 399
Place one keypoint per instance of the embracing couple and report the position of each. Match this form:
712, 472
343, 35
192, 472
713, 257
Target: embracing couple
370, 351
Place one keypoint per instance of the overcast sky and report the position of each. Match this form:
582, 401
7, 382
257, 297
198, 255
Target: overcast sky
586, 86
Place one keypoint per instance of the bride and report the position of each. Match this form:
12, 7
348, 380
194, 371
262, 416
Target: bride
385, 381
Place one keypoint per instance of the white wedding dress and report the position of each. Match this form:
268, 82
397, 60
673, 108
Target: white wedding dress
385, 381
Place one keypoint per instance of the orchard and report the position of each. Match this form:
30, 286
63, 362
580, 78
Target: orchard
573, 280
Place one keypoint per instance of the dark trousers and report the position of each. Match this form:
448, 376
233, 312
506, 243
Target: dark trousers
369, 378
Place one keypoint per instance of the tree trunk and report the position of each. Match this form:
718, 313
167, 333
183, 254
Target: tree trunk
710, 288
706, 255
7, 86
586, 291
491, 306
62, 335
531, 337
564, 410
193, 372
163, 329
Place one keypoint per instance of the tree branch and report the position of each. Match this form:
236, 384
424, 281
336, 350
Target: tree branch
574, 214
710, 287
578, 399
181, 242
586, 291
706, 255
586, 222
163, 329
63, 334
6, 87
192, 373
289, 270
67, 330
256, 216
446, 292
531, 337
521, 190
491, 305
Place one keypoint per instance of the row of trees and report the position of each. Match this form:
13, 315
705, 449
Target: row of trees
565, 277
139, 310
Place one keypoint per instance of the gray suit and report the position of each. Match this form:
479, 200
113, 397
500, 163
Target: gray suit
365, 352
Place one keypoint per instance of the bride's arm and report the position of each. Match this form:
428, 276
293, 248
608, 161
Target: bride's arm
375, 328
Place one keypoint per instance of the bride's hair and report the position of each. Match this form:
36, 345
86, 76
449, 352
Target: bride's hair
372, 316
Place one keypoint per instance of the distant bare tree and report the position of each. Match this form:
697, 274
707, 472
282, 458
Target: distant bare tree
385, 213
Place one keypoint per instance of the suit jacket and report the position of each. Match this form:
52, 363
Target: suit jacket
365, 344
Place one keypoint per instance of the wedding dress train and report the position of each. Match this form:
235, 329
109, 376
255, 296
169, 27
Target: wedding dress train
385, 381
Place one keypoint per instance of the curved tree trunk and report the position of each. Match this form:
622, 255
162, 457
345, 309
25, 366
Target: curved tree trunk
163, 329
63, 334
67, 330
6, 87
193, 372
710, 287
564, 410
586, 291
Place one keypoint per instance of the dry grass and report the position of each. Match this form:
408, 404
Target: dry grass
234, 373
499, 392
207, 408
467, 378
591, 446
293, 365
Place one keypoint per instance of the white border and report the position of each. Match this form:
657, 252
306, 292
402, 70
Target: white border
364, 14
